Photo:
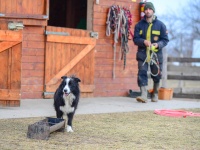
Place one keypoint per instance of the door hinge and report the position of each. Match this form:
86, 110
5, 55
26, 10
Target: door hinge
45, 16
57, 33
2, 15
15, 25
94, 35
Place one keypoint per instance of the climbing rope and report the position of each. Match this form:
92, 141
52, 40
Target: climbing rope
152, 59
119, 21
175, 113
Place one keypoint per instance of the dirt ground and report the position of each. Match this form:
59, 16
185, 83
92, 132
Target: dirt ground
115, 131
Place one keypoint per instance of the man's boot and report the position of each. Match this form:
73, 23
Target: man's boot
154, 97
143, 97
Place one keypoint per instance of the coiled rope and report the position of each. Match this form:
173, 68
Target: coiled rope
175, 113
119, 21
152, 59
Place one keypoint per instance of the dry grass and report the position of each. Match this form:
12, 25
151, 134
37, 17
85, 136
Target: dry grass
135, 130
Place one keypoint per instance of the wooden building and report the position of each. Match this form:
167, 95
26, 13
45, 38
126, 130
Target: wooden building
42, 40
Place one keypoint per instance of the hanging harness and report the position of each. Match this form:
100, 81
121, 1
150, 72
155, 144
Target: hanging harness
119, 21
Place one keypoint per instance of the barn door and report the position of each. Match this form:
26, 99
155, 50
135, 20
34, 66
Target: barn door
69, 52
10, 65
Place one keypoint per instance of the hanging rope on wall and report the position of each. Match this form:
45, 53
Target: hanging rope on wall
119, 21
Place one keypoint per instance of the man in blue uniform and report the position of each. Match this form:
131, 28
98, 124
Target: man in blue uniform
150, 35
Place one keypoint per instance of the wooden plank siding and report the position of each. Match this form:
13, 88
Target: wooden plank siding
23, 8
77, 53
184, 77
183, 60
30, 12
33, 62
183, 72
126, 79
10, 58
187, 75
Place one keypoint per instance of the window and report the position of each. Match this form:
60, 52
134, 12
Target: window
68, 13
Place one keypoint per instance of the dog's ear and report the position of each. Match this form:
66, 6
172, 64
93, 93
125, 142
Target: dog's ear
63, 77
77, 79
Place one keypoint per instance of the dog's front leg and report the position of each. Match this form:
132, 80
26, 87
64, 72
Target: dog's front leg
69, 122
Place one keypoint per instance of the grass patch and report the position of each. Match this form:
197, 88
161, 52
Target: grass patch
133, 130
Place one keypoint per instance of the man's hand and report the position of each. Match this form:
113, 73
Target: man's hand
147, 43
155, 45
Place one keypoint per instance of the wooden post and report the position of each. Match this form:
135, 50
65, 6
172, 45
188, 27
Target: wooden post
164, 71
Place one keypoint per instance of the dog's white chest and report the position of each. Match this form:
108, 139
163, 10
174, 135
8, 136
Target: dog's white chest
68, 104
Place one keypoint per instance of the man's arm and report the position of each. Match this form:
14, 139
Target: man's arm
164, 37
137, 37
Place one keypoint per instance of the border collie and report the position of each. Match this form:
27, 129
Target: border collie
66, 99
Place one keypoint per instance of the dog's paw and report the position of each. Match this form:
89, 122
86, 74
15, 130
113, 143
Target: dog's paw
69, 129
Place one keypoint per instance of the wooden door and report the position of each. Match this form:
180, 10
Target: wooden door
69, 52
10, 65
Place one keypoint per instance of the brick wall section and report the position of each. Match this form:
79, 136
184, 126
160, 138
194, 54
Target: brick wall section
33, 45
126, 79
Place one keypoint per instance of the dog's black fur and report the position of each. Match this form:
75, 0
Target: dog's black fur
66, 99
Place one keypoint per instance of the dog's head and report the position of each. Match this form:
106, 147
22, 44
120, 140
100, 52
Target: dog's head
70, 84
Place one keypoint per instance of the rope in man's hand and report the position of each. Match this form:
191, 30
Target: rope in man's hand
152, 58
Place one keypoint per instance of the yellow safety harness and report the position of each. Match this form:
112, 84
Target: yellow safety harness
151, 52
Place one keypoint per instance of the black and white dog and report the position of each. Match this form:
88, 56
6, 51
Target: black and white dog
66, 99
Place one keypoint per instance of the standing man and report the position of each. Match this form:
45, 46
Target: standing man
149, 34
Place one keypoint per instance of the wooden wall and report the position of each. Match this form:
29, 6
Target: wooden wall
126, 79
33, 14
24, 8
33, 47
